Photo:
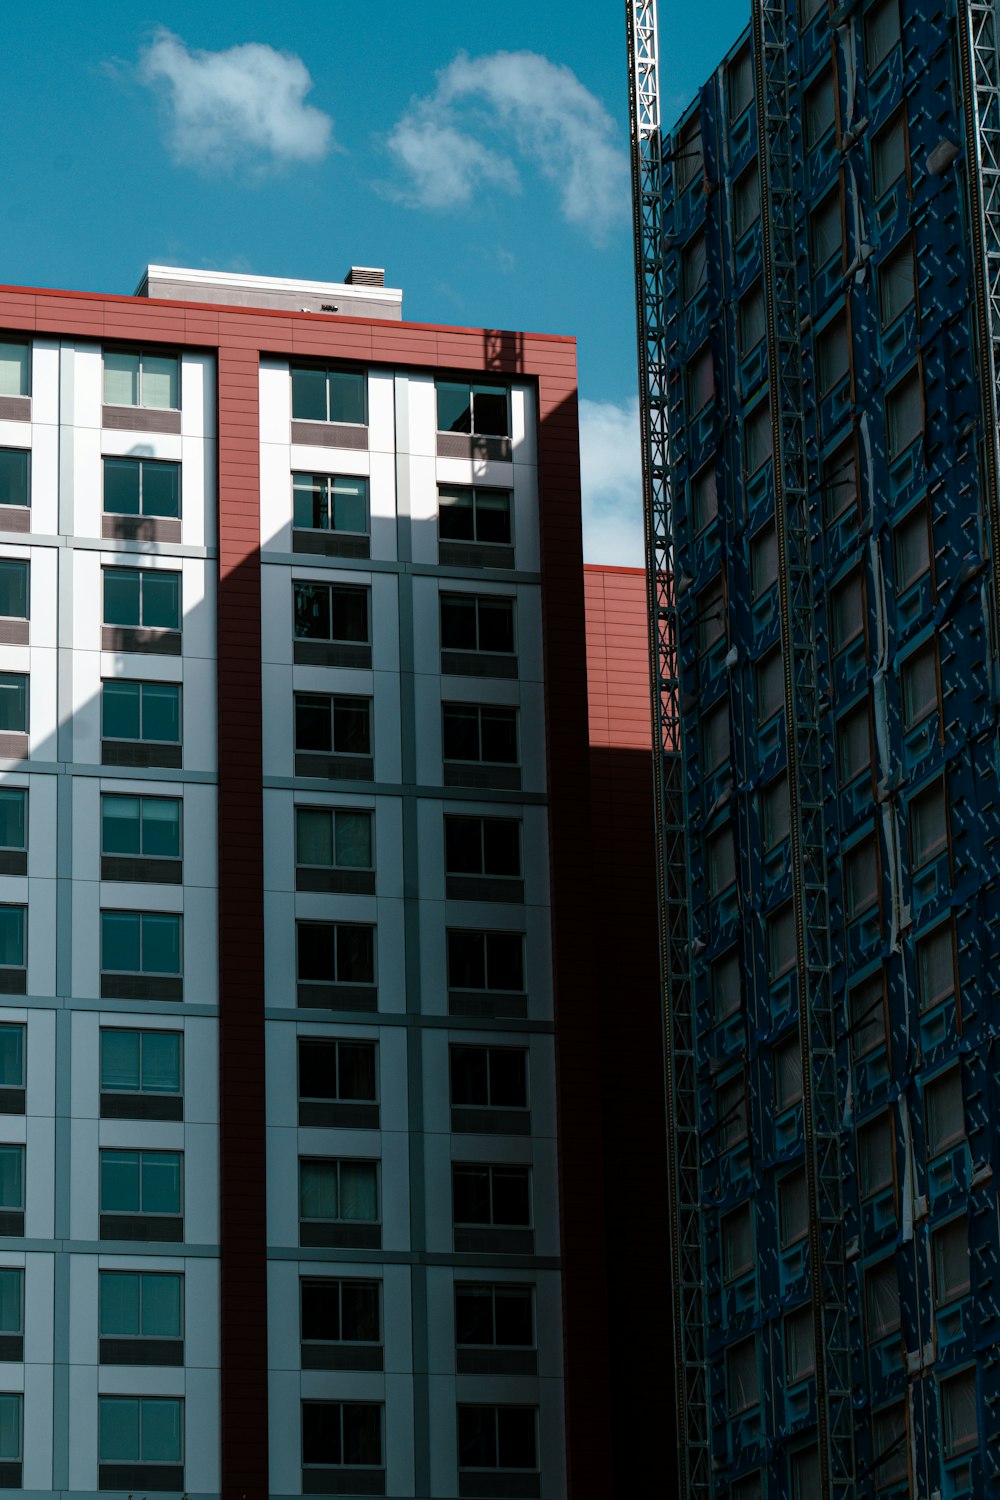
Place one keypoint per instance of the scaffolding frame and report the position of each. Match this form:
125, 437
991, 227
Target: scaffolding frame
651, 177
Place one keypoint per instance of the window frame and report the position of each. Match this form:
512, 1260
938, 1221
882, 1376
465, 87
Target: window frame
524, 1173
328, 482
27, 344
152, 1215
478, 648
494, 1287
688, 147
884, 270
23, 468
930, 851
140, 464
945, 1293
143, 351
327, 369
481, 708
142, 799
882, 189
484, 384
312, 1158
830, 482
314, 1279
949, 1446
911, 378
141, 912
867, 1188
142, 1275
142, 683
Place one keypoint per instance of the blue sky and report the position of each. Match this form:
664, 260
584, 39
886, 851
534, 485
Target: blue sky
477, 153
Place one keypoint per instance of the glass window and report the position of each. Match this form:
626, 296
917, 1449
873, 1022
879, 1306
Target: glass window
861, 877
14, 485
715, 736
13, 818
912, 548
13, 947
12, 1177
800, 1345
711, 615
757, 438
142, 487
896, 281
11, 1420
833, 354
750, 320
889, 155
479, 732
477, 622
326, 502
467, 514
904, 414
742, 1379
333, 838
928, 825
840, 481
694, 267
140, 1062
866, 1003
491, 1195
780, 942
737, 1242
13, 702
854, 746
808, 9
793, 1209
329, 395
148, 827
497, 1437
720, 858
494, 1315
746, 200
726, 992
959, 1414
775, 812
935, 952
700, 380
803, 1473
140, 942
146, 597
482, 846
333, 1069
689, 156
704, 499
485, 960
332, 725
944, 1112
731, 1111
787, 1074
882, 1299
482, 409
769, 681
826, 231
149, 711
876, 1156
330, 612
819, 110
748, 1488
140, 1429
343, 1191
919, 680
335, 1311
889, 1444
140, 377
13, 589
341, 1434
15, 369
141, 1182
137, 1304
881, 32
12, 1055
763, 561
847, 611
335, 952
952, 1274
739, 75
489, 1077
11, 1304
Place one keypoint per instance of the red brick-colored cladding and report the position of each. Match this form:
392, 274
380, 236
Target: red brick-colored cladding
240, 336
621, 763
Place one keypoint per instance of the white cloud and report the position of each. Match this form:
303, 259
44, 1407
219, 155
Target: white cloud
245, 104
526, 107
611, 475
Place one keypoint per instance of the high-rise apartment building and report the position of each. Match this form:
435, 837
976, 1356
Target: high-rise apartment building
819, 339
294, 890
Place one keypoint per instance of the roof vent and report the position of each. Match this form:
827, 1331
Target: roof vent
364, 276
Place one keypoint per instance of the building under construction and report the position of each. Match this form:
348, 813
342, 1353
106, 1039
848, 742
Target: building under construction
818, 273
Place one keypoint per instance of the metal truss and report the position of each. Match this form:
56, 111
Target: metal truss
979, 63
817, 1019
655, 307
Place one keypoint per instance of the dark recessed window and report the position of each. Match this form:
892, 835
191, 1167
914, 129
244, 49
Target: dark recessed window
819, 110
341, 1434
485, 960
715, 736
840, 481
793, 1209
477, 622
950, 1251
800, 1345
141, 1182
876, 1156
739, 76
140, 1305
336, 952
757, 438
746, 200
737, 1242
944, 1112
332, 724
904, 413
325, 502
704, 499
787, 1064
330, 612
889, 155
763, 561
147, 827
769, 682
338, 1191
329, 838
896, 284
861, 877
928, 817
489, 1077
751, 326
935, 954
689, 155
480, 732
333, 1069
847, 611
142, 487
742, 1377
882, 32
147, 598
726, 986
833, 354
775, 812
826, 231
146, 711
140, 942
731, 1112
959, 1413
480, 409
700, 380
474, 515
694, 267
13, 703
780, 942
13, 589
866, 1005
13, 818
340, 1311
482, 846
890, 1446
720, 862
497, 1437
911, 548
14, 476
918, 676
882, 1299
711, 617
854, 747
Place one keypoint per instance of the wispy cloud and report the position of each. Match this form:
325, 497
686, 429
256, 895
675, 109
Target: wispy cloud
488, 114
242, 106
611, 473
